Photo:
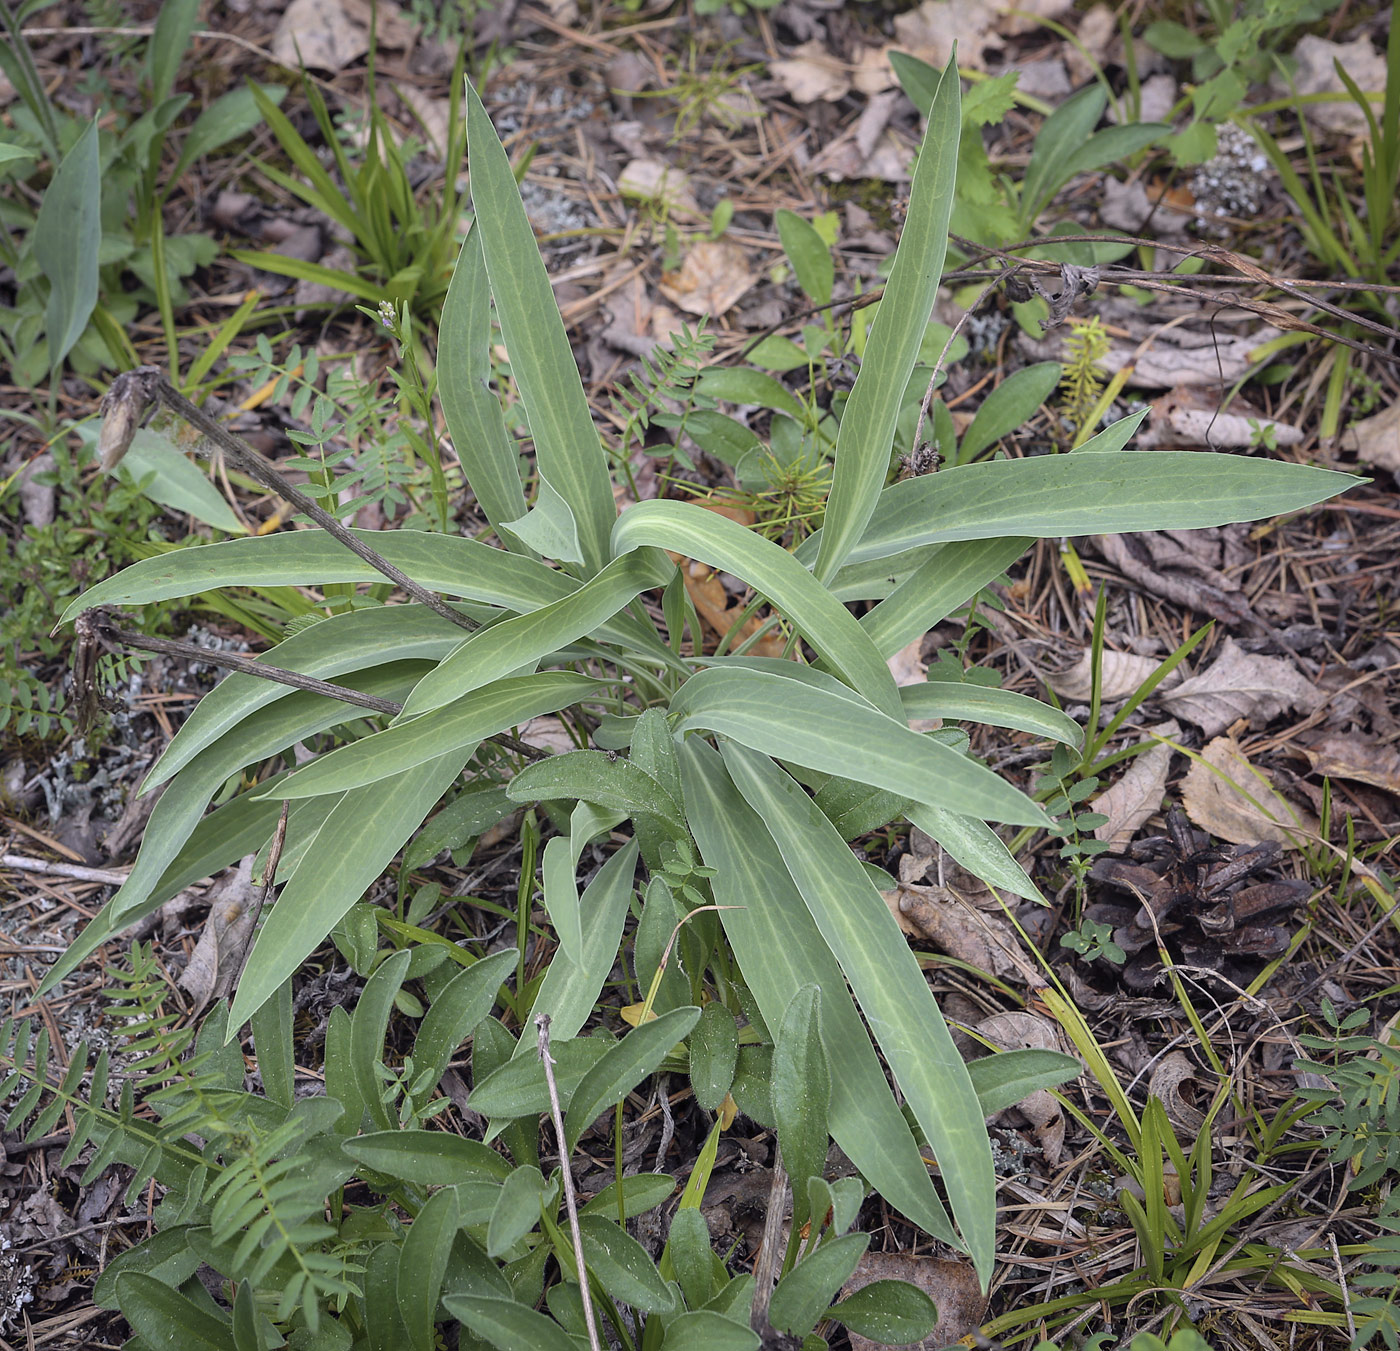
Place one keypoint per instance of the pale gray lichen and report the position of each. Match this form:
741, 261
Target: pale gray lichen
17, 1282
1232, 183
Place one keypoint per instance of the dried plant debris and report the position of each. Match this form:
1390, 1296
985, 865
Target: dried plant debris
1240, 684
1235, 800
1203, 904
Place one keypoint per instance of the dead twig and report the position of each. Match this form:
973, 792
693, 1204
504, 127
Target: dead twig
542, 1021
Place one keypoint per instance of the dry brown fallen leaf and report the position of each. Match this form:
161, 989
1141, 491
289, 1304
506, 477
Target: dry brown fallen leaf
949, 1282
1376, 439
214, 964
942, 917
813, 73
1240, 684
1122, 673
1175, 1083
1189, 415
1018, 1030
1131, 802
1214, 796
653, 180
1356, 758
330, 34
929, 31
547, 733
1317, 74
712, 279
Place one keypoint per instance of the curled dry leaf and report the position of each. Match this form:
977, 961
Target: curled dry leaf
1018, 1030
940, 916
214, 963
712, 279
1174, 1082
1217, 793
1355, 758
1190, 415
653, 180
950, 1283
1317, 74
547, 733
1240, 684
930, 31
1376, 439
330, 34
1122, 674
813, 73
1131, 802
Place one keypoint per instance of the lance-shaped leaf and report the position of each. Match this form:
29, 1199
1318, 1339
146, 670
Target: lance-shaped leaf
367, 828
516, 644
802, 1094
779, 949
975, 846
470, 406
571, 987
452, 564
66, 239
637, 1055
594, 776
463, 1002
772, 572
559, 873
868, 421
1112, 492
928, 594
889, 986
346, 642
823, 731
568, 451
965, 702
482, 713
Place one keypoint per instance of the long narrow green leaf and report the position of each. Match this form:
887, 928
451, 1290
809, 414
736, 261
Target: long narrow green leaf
469, 404
1109, 493
890, 987
779, 949
934, 589
177, 814
464, 1001
507, 1325
1010, 405
161, 1315
491, 709
66, 238
447, 563
868, 422
423, 1264
346, 642
975, 846
998, 708
368, 1024
570, 988
518, 643
818, 730
559, 873
360, 837
625, 1065
568, 451
772, 572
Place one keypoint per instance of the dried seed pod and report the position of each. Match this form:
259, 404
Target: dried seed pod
123, 408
